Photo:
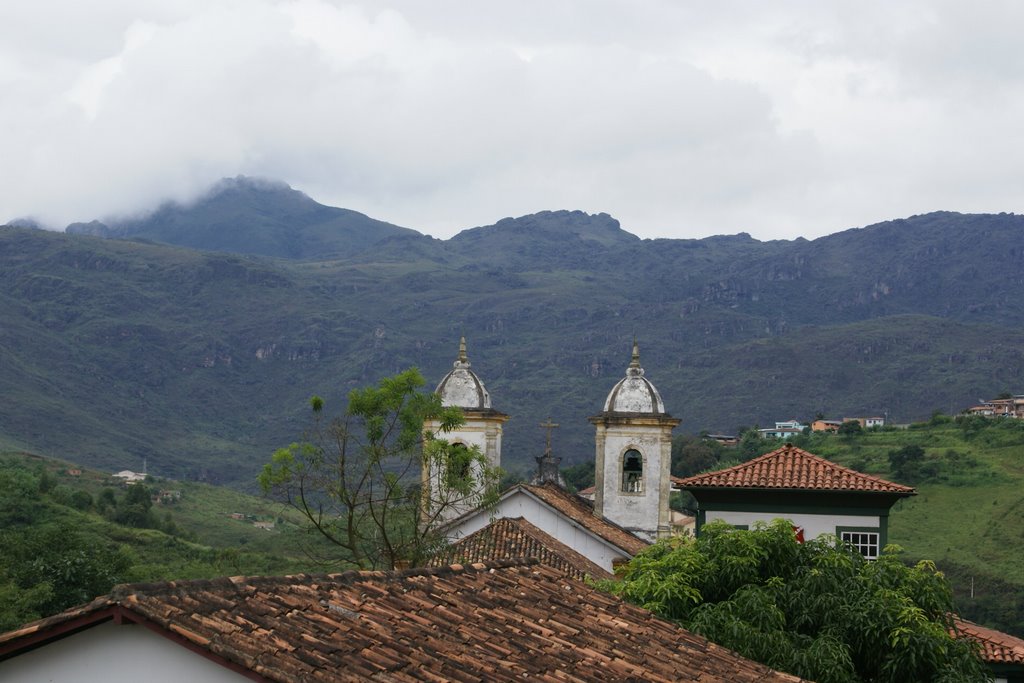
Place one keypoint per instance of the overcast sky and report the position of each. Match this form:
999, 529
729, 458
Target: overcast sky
681, 119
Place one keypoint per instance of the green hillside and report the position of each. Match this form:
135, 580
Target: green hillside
113, 351
70, 534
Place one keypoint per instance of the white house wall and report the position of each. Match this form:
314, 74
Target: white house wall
115, 654
814, 525
547, 520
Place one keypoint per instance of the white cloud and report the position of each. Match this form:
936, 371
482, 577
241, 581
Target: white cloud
679, 119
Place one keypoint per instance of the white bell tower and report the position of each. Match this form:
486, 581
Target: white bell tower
462, 388
634, 451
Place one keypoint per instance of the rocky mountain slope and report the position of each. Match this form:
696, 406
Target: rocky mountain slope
112, 350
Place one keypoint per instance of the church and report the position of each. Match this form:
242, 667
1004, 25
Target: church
629, 508
633, 449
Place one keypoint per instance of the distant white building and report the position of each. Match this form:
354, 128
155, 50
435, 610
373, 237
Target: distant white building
786, 429
129, 476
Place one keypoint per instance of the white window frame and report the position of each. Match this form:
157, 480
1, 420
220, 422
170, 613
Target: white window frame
865, 541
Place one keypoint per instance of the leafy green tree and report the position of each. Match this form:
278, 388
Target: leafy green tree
972, 425
357, 478
850, 428
692, 455
906, 462
751, 444
81, 500
580, 475
46, 481
46, 569
818, 610
20, 500
107, 500
135, 509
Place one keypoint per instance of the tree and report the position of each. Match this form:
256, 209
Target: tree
850, 428
692, 455
49, 568
20, 502
906, 462
751, 444
580, 475
135, 509
357, 478
818, 610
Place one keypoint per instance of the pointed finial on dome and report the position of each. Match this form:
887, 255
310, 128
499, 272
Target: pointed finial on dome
463, 360
634, 369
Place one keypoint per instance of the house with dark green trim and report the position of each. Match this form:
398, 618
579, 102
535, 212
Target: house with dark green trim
818, 496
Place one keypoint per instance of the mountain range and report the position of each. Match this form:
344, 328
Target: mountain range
191, 337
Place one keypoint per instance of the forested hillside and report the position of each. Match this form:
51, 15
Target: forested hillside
115, 350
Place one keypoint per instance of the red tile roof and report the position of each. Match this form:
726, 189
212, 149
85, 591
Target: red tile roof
581, 511
509, 538
996, 647
790, 467
500, 621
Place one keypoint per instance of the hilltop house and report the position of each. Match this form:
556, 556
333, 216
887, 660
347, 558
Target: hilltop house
999, 407
834, 425
826, 425
129, 477
818, 496
786, 429
867, 422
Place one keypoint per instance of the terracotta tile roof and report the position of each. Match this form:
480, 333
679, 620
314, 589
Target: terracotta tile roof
485, 622
996, 647
508, 538
790, 467
581, 511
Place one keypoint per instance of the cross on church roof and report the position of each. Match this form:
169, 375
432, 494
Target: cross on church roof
549, 425
547, 464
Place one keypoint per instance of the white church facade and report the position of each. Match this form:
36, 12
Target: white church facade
634, 446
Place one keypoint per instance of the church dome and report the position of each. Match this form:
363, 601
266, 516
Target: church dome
634, 393
461, 387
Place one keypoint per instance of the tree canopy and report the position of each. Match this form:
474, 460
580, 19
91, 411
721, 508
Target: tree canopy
818, 610
357, 477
